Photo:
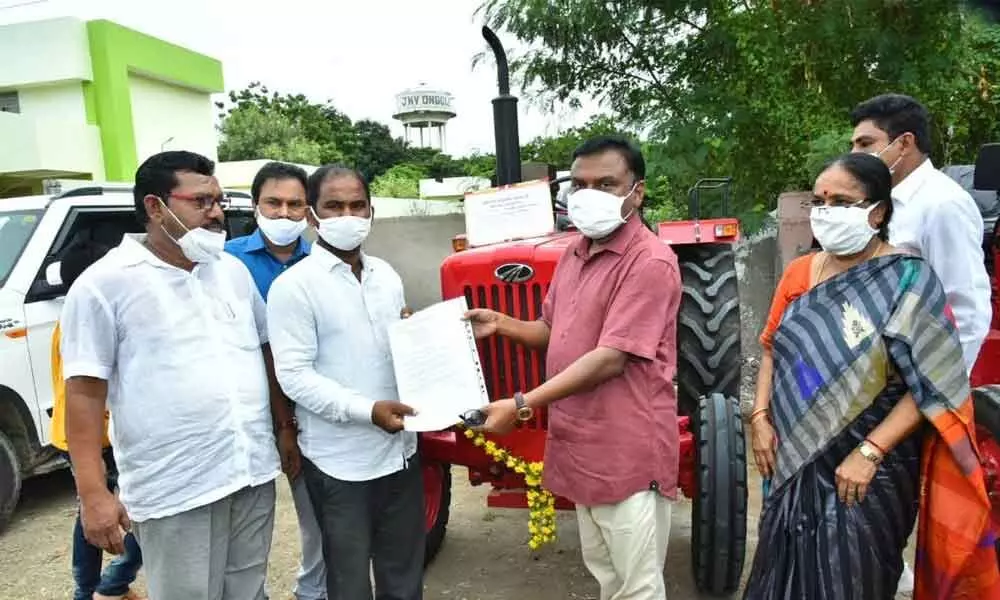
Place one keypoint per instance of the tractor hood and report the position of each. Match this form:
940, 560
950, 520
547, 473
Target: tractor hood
521, 262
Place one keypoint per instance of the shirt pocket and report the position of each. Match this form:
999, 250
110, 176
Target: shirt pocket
236, 324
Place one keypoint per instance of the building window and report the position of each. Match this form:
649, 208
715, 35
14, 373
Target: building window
9, 102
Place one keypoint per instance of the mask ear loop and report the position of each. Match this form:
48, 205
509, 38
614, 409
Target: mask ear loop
625, 197
167, 208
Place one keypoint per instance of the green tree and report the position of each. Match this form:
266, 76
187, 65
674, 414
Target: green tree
479, 165
250, 133
558, 150
400, 181
377, 151
321, 124
754, 89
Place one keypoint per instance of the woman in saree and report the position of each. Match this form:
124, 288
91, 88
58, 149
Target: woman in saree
863, 419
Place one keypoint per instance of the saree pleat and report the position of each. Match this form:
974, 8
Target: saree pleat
819, 548
845, 353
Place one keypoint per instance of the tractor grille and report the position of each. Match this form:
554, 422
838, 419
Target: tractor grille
509, 367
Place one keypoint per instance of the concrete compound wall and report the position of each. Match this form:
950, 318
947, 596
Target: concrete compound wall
756, 262
415, 247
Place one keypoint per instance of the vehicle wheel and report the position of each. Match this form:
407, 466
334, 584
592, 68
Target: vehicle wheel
986, 401
708, 332
10, 480
437, 505
719, 523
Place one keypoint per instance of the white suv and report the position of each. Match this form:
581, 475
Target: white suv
34, 232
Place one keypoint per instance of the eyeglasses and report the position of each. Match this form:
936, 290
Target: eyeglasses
205, 202
818, 201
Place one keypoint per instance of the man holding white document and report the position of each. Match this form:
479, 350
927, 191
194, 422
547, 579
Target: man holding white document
609, 329
329, 318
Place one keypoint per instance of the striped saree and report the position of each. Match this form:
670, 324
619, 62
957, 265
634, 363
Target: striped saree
844, 354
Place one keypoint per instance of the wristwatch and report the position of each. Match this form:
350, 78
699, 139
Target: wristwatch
524, 412
870, 453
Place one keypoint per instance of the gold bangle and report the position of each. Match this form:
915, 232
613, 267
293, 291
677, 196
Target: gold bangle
759, 411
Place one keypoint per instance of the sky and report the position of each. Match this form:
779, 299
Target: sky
356, 53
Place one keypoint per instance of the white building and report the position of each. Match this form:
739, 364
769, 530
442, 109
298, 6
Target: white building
91, 100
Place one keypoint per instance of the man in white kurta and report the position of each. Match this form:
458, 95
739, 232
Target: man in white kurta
168, 331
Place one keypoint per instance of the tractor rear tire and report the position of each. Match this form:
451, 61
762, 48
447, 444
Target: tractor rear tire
708, 332
437, 507
10, 480
986, 403
718, 544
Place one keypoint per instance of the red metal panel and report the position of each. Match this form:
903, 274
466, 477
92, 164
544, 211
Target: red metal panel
699, 232
987, 368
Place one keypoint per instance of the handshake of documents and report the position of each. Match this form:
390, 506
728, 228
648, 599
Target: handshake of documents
437, 367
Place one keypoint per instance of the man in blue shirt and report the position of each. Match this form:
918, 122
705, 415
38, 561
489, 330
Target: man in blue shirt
279, 197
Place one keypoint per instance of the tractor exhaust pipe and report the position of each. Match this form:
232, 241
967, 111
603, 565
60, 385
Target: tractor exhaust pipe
508, 147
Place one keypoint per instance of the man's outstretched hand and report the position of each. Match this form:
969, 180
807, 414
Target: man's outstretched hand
484, 321
388, 414
501, 416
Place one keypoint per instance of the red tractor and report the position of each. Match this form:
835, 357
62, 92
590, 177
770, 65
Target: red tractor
513, 277
983, 182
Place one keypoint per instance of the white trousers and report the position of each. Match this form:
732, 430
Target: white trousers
625, 545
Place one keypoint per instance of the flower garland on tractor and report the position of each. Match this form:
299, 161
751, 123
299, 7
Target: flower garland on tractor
541, 502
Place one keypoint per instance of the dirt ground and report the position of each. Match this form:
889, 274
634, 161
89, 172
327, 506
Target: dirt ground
484, 555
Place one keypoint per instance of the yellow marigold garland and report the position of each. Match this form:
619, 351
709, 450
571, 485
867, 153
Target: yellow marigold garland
541, 502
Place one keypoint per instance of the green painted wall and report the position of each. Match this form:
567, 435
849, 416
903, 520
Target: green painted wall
117, 51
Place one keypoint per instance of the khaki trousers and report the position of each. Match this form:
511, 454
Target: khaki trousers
625, 545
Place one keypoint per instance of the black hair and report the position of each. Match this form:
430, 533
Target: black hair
896, 114
79, 256
328, 172
875, 179
157, 176
276, 171
615, 143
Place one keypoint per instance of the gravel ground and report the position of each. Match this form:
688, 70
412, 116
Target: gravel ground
484, 555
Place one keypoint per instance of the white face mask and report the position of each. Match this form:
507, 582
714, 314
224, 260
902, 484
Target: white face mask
282, 232
198, 245
842, 230
344, 233
595, 213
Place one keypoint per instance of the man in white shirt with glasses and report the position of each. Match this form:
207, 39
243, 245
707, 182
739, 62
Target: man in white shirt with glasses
168, 330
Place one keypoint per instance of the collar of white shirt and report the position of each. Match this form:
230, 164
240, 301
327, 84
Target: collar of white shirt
906, 188
330, 261
133, 251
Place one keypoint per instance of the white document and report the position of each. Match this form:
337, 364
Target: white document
518, 211
437, 366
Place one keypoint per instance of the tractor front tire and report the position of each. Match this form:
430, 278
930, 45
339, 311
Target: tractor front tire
718, 544
986, 403
10, 480
708, 325
437, 507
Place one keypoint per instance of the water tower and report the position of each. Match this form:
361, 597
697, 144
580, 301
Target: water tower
424, 111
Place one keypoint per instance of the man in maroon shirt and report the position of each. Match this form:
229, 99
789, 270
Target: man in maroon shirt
609, 328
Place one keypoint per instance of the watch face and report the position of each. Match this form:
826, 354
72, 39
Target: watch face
524, 413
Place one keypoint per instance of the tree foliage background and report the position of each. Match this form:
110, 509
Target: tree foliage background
759, 90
